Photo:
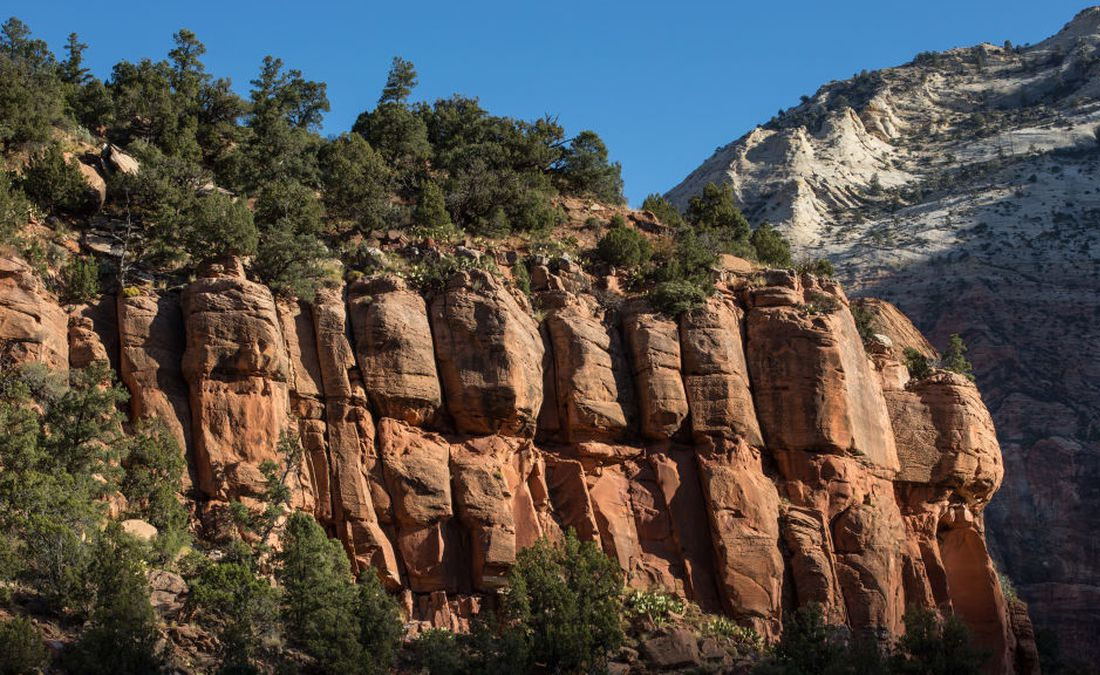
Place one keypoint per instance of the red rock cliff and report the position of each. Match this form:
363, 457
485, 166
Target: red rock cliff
751, 456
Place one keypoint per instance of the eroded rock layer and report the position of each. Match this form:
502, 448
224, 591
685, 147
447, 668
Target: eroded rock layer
751, 456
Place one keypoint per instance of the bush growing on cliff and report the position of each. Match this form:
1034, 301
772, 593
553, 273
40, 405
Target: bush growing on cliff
318, 600
14, 209
624, 247
289, 251
79, 280
715, 218
865, 322
663, 209
673, 298
585, 170
935, 646
30, 90
954, 358
54, 183
154, 465
345, 628
229, 598
930, 646
771, 247
567, 598
22, 650
919, 365
820, 267
122, 637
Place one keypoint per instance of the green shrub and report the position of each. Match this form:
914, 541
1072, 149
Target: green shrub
153, 479
954, 358
54, 184
79, 280
433, 274
624, 247
935, 646
218, 225
673, 298
31, 93
585, 169
1008, 589
820, 267
772, 248
715, 212
437, 651
14, 209
380, 626
521, 277
658, 607
357, 181
566, 596
663, 209
22, 650
122, 636
820, 303
240, 607
318, 601
746, 640
865, 322
919, 365
431, 208
289, 252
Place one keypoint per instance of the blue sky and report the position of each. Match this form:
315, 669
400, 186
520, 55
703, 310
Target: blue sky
663, 83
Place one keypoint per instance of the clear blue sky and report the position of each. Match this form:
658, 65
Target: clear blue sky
664, 83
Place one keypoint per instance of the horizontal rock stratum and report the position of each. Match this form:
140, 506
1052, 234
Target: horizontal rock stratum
750, 456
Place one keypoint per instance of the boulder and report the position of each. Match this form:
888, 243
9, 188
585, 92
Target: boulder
139, 529
489, 356
33, 327
393, 347
814, 386
95, 186
416, 465
152, 340
595, 393
672, 649
117, 160
85, 346
946, 437
237, 368
654, 345
716, 376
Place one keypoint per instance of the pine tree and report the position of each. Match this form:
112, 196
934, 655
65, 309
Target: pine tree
319, 599
431, 207
399, 83
954, 358
715, 211
663, 209
772, 248
122, 637
566, 597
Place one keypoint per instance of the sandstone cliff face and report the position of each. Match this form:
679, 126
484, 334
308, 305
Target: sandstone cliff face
750, 455
960, 187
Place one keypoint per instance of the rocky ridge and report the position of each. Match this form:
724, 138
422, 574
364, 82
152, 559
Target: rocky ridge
751, 456
962, 188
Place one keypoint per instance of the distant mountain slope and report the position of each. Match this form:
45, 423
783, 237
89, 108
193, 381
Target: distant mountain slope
964, 187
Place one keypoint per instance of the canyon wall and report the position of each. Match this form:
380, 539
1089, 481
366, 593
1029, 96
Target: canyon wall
752, 456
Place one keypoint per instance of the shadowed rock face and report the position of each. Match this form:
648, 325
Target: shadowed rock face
750, 455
